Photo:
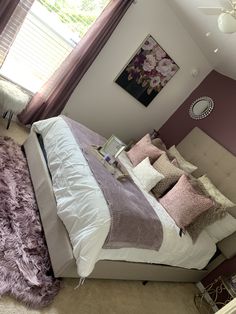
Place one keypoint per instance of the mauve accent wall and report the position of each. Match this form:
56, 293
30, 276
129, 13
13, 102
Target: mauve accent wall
220, 124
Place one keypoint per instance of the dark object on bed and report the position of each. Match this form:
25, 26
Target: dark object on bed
154, 134
40, 139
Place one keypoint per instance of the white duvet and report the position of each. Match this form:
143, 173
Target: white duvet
84, 211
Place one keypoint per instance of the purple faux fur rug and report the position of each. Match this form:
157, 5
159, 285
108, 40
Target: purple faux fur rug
25, 270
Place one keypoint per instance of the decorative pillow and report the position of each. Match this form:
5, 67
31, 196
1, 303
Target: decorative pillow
222, 228
159, 144
175, 163
215, 193
144, 148
207, 218
222, 224
147, 174
184, 203
184, 164
232, 211
171, 173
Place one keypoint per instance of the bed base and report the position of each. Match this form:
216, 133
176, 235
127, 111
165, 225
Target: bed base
60, 250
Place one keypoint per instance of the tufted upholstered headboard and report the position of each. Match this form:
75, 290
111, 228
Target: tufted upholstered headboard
220, 166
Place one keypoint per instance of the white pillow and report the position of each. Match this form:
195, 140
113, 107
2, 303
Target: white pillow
221, 229
147, 174
183, 164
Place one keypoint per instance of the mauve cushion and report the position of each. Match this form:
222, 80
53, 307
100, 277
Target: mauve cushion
159, 143
144, 148
184, 203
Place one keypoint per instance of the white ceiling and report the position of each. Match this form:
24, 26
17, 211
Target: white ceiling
198, 24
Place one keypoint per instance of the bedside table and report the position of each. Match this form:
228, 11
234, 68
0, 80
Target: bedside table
221, 286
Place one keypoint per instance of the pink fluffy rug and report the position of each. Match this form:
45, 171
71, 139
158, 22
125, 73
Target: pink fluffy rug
25, 270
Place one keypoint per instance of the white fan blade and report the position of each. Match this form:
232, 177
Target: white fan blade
211, 10
227, 4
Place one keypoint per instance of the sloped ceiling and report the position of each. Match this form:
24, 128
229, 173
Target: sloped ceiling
198, 24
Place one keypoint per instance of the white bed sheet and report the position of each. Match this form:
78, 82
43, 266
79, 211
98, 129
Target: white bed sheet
84, 211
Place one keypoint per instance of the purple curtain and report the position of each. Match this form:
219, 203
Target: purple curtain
53, 96
13, 23
7, 7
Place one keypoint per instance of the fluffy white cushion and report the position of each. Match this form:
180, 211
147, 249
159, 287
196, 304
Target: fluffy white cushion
183, 164
147, 174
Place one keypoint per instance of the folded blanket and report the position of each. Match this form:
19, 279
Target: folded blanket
134, 223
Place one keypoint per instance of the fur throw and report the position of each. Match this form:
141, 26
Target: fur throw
25, 270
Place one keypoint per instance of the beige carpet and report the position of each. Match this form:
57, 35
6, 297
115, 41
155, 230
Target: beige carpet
114, 297
19, 133
107, 296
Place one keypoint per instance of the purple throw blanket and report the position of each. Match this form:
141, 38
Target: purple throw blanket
134, 222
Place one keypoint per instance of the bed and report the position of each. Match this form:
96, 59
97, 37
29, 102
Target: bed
118, 265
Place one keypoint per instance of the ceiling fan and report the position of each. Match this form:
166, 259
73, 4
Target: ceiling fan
227, 16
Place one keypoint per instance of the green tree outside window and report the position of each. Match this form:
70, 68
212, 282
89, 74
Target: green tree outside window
77, 15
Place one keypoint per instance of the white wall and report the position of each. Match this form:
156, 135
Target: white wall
104, 106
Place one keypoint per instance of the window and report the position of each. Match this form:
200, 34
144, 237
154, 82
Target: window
48, 34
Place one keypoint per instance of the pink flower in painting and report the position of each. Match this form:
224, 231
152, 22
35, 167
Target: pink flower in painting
149, 63
151, 68
174, 69
149, 44
159, 52
165, 80
164, 67
155, 81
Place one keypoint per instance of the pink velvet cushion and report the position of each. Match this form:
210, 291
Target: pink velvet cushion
184, 203
144, 148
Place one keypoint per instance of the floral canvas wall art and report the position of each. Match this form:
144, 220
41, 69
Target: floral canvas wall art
148, 71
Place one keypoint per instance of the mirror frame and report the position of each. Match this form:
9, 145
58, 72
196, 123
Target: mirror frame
206, 112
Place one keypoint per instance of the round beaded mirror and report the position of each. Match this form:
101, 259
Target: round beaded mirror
201, 108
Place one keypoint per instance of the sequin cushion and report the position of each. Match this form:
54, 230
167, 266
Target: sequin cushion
170, 172
212, 215
184, 203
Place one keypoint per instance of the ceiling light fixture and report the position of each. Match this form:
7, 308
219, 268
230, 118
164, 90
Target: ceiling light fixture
226, 18
227, 23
